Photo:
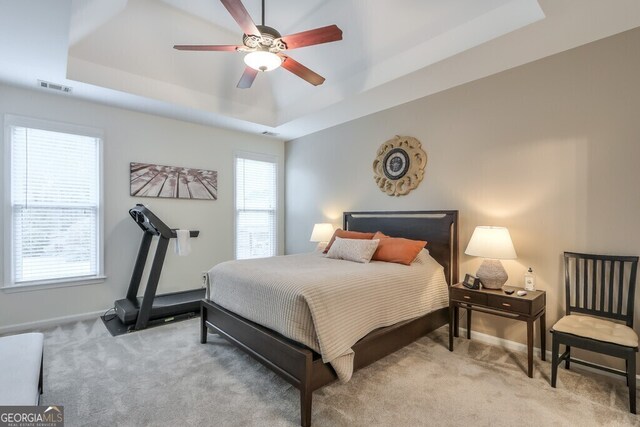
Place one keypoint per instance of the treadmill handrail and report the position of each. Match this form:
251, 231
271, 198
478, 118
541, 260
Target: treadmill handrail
149, 222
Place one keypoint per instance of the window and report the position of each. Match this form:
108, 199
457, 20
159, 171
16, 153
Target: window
256, 201
53, 219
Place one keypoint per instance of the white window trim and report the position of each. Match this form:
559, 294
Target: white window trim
8, 286
260, 157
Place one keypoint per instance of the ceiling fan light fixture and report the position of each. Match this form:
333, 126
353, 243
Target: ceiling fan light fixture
262, 60
263, 46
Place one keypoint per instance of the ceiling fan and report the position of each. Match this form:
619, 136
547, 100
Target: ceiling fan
264, 46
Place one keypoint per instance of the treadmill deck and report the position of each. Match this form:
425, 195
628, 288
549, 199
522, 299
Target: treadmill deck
164, 305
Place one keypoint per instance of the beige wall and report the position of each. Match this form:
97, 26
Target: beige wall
131, 136
549, 149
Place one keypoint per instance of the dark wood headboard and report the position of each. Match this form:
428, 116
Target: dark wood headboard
438, 228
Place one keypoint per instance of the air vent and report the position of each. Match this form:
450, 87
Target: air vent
268, 133
54, 86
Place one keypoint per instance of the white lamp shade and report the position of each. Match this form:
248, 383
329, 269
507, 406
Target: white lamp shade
491, 242
321, 233
262, 60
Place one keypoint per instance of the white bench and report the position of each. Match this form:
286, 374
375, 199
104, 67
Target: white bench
21, 369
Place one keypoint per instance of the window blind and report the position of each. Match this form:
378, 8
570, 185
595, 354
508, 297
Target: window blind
256, 212
55, 200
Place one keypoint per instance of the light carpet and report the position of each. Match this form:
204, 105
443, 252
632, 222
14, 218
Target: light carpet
165, 377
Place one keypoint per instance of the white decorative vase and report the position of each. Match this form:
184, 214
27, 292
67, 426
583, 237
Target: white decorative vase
492, 274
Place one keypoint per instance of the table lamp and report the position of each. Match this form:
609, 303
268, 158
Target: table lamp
321, 233
493, 244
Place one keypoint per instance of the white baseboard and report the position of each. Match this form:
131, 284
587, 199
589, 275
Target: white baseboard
501, 342
522, 348
40, 324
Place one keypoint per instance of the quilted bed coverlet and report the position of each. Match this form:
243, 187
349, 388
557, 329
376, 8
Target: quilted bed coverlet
327, 304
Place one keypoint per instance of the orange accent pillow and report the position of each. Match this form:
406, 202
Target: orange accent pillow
343, 234
397, 249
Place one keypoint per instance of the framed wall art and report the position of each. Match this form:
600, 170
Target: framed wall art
150, 180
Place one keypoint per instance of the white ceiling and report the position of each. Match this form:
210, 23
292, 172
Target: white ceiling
119, 52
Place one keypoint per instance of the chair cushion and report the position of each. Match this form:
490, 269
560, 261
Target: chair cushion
20, 359
597, 329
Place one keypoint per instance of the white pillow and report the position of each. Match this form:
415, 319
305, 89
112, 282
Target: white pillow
358, 250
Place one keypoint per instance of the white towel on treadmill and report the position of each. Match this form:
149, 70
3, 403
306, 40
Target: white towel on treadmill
183, 242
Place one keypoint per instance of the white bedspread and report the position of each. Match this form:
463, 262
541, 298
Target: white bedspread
328, 304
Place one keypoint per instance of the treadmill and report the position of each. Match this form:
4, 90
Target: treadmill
139, 312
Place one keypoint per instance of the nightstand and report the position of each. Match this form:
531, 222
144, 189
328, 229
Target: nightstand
527, 308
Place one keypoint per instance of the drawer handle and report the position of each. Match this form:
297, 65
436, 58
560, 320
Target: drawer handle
506, 305
466, 297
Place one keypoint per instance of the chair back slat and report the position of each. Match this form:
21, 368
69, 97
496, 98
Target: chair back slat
597, 264
567, 282
632, 290
620, 286
600, 285
585, 276
611, 287
577, 281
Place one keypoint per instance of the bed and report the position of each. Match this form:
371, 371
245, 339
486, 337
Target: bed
308, 364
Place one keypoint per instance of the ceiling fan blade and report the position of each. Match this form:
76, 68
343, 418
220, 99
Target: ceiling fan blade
327, 34
241, 16
247, 78
207, 47
301, 71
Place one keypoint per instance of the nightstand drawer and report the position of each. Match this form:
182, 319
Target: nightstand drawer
463, 295
511, 304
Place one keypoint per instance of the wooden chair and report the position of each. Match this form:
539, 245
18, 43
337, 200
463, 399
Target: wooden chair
601, 290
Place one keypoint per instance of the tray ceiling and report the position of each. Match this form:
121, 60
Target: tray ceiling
120, 52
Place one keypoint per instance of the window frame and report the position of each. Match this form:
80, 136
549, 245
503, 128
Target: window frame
260, 157
8, 283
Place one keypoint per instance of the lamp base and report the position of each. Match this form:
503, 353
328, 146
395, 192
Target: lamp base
492, 274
